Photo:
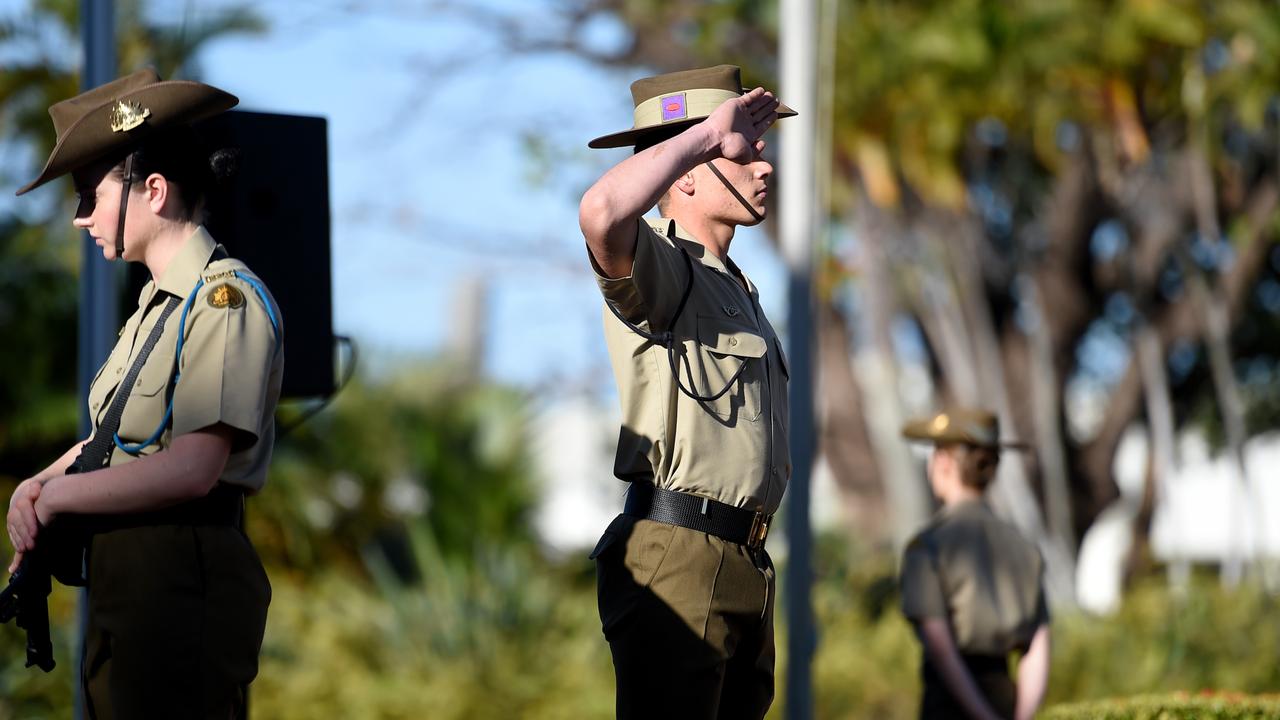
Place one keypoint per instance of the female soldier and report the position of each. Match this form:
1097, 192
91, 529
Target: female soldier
182, 416
971, 584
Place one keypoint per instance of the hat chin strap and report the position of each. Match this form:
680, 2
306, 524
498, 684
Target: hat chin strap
734, 191
124, 205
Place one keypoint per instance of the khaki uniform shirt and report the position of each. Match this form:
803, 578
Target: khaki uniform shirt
230, 370
732, 449
980, 574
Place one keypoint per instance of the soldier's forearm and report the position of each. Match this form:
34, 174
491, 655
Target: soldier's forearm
187, 469
1033, 675
611, 207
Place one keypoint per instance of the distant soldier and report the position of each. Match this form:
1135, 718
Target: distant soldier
686, 588
972, 585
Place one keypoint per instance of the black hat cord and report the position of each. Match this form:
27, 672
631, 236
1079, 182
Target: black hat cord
734, 191
124, 205
667, 339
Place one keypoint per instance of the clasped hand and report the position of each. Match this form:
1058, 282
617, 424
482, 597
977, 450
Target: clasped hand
26, 518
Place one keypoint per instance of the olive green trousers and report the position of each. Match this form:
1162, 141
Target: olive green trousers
689, 621
176, 617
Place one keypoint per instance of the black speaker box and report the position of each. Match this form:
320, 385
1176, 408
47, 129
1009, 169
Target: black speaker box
274, 215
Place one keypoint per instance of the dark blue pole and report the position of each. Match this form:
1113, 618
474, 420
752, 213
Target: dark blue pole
98, 318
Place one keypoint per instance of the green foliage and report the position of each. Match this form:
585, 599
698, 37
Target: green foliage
1210, 639
37, 296
421, 449
1173, 707
507, 636
917, 76
28, 693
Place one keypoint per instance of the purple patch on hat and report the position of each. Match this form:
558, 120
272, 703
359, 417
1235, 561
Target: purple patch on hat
673, 108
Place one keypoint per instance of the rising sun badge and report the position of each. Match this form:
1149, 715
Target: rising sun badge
225, 296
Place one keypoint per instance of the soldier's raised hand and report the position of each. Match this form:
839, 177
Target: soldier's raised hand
741, 121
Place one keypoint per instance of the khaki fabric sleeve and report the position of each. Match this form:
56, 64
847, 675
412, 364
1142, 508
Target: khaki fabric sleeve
1042, 604
921, 587
657, 280
226, 365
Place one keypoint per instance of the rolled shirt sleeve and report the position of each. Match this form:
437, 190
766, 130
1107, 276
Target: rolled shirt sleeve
226, 362
922, 595
657, 280
1042, 604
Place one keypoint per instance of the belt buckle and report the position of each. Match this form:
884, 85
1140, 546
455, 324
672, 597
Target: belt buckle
759, 530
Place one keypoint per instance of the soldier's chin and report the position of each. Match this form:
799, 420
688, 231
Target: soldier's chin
109, 252
758, 217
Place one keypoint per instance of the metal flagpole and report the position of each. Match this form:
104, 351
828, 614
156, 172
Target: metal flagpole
98, 317
797, 220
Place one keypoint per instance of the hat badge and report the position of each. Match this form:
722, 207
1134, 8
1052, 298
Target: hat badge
940, 423
127, 115
674, 107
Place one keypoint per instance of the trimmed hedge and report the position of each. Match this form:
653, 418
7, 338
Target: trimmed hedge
1221, 706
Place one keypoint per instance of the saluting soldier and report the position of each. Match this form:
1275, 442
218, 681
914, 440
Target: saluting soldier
182, 415
972, 585
686, 589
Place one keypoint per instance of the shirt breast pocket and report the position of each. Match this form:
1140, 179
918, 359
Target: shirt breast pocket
154, 376
148, 399
728, 357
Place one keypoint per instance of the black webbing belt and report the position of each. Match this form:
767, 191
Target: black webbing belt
737, 525
224, 505
97, 452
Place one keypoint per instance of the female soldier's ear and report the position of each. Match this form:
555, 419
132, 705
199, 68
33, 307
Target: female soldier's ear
157, 192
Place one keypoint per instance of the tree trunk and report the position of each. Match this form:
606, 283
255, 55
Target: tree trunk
1217, 326
876, 369
843, 436
1012, 490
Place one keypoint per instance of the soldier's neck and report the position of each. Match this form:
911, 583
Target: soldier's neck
961, 493
165, 245
712, 234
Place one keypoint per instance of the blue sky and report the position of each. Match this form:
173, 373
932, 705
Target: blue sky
432, 182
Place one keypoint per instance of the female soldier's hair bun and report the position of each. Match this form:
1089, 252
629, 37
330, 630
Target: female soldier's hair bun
224, 164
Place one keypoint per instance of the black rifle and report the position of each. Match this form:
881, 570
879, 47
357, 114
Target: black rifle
27, 598
61, 551
59, 554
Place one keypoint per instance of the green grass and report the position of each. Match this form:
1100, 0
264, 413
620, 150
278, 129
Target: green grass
1220, 706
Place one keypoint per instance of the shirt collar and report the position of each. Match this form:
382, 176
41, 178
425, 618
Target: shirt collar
186, 267
969, 506
684, 238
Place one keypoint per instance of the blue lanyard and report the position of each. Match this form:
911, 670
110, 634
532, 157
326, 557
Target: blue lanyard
177, 357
